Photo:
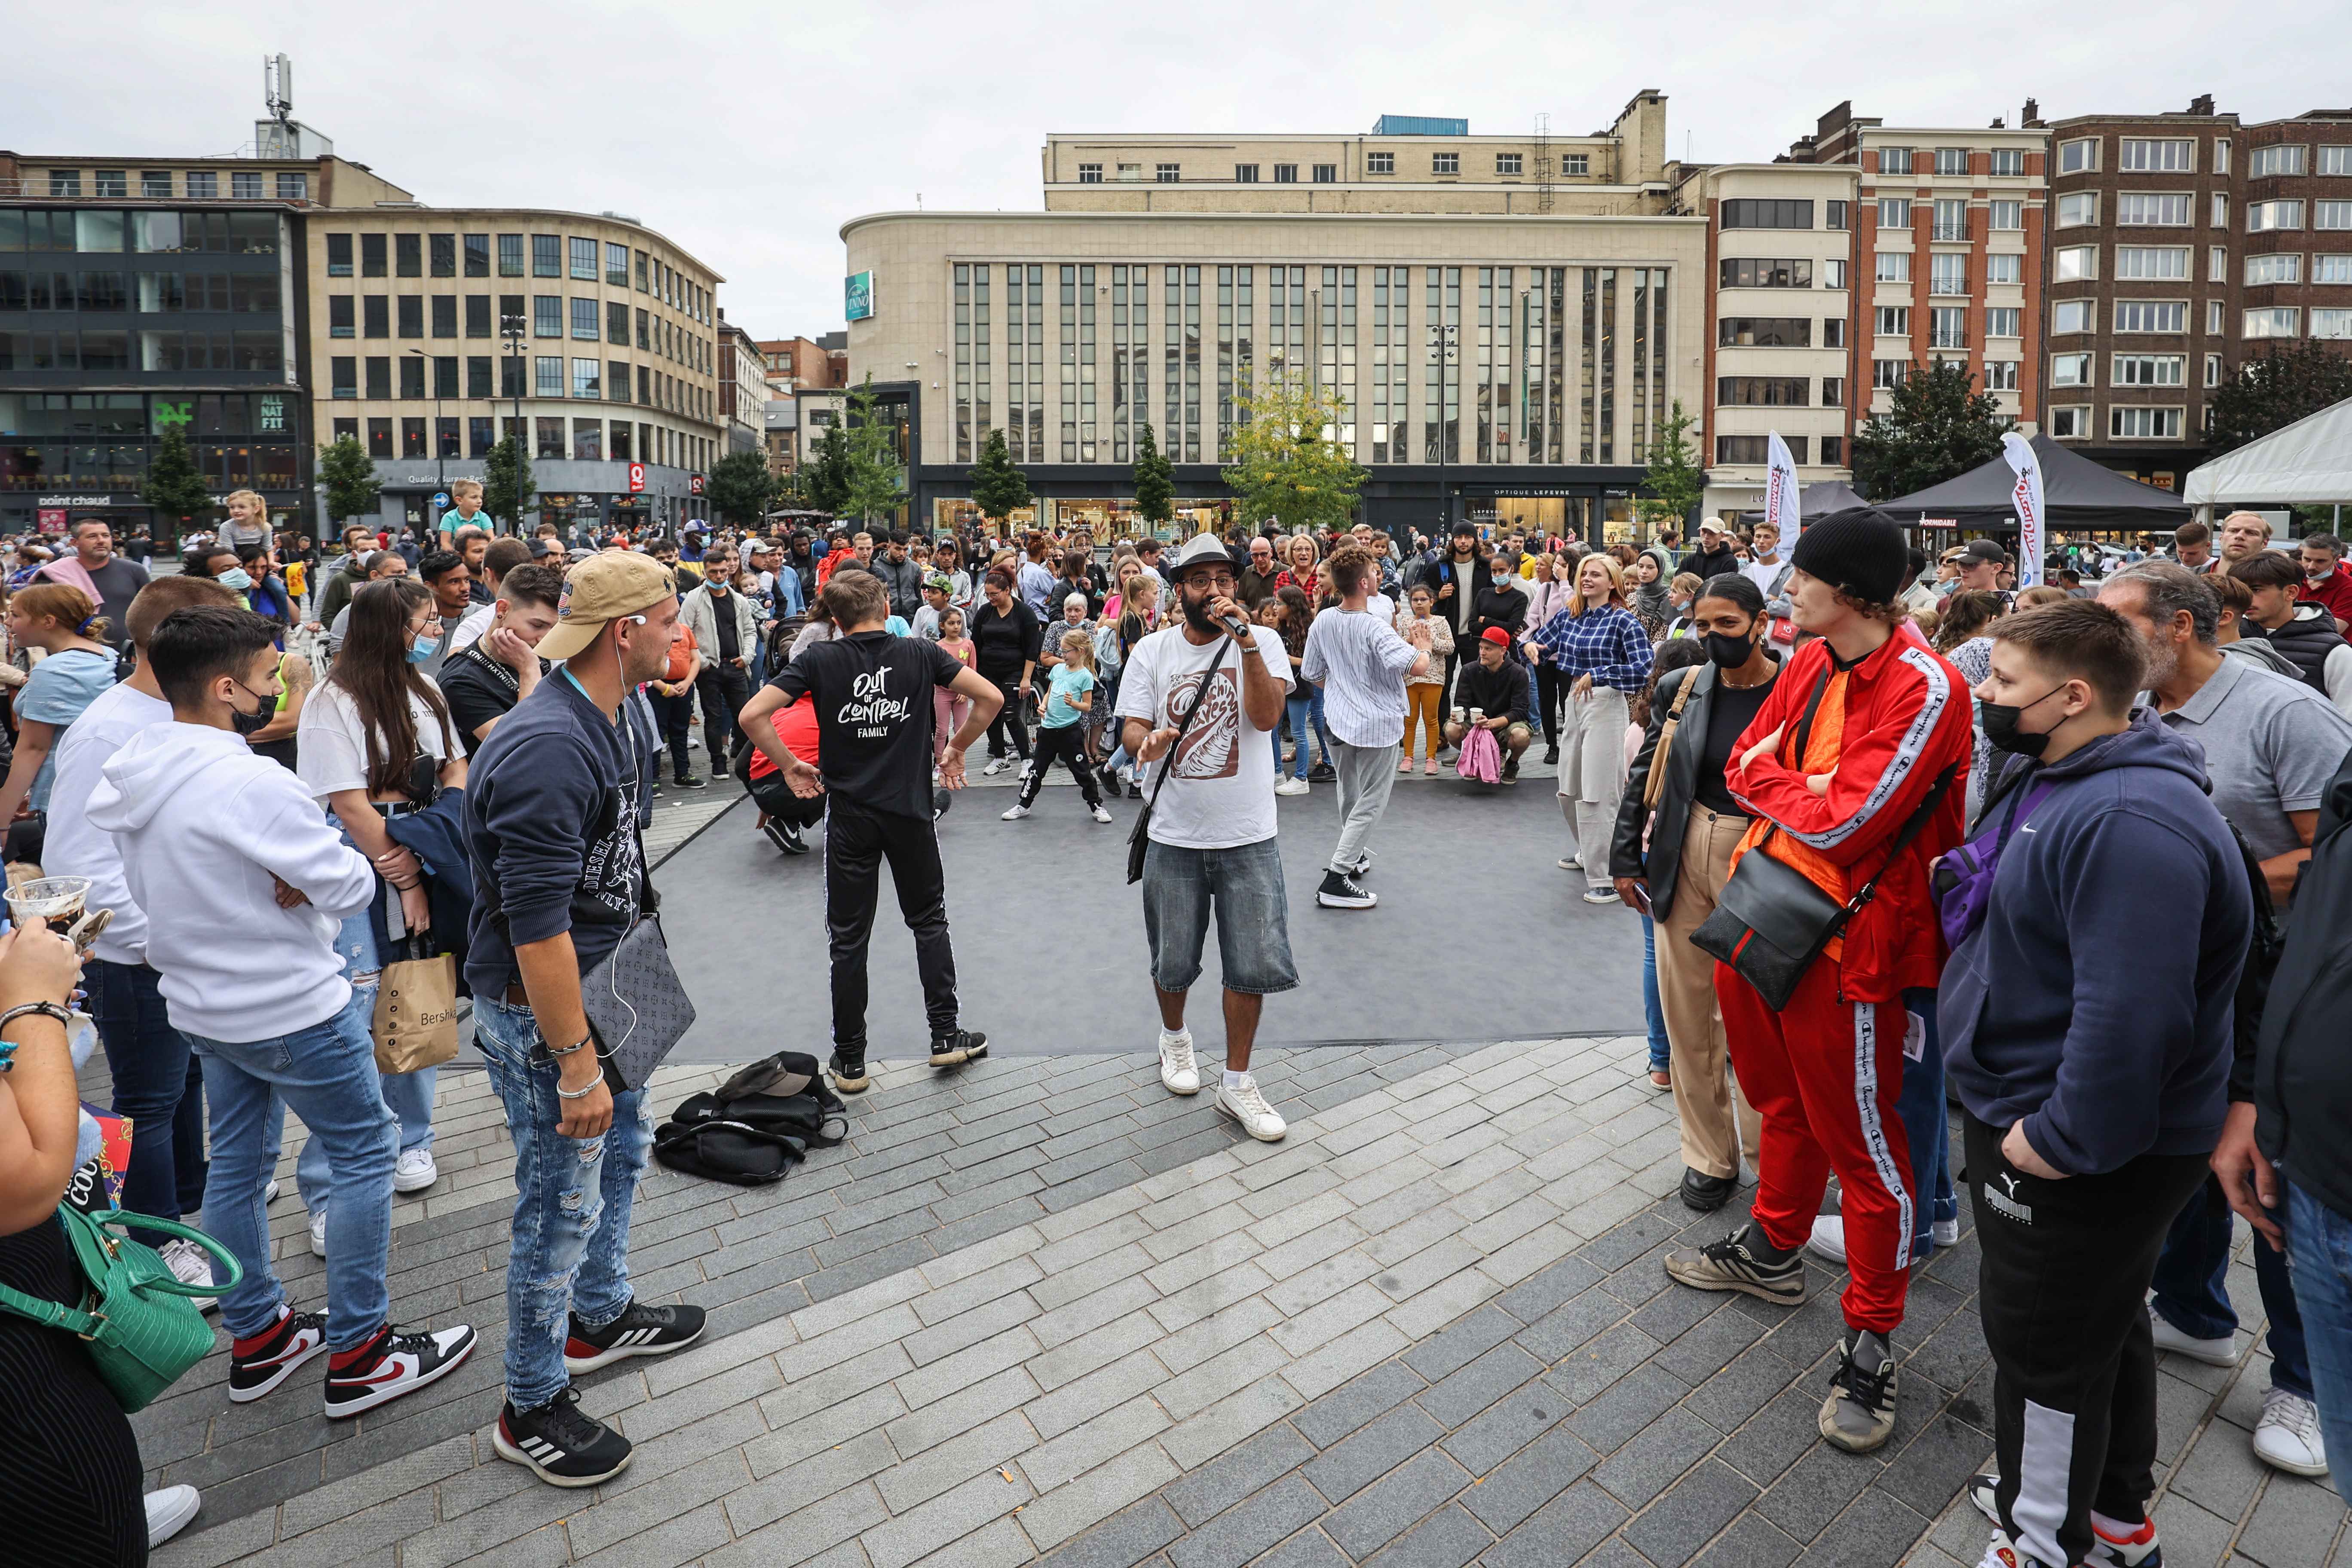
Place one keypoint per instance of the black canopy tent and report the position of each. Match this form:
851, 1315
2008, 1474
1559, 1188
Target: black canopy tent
2081, 496
1818, 500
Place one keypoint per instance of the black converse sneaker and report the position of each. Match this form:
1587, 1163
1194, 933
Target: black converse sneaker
849, 1077
563, 1445
1743, 1262
954, 1051
261, 1364
1341, 892
639, 1330
1859, 1414
392, 1364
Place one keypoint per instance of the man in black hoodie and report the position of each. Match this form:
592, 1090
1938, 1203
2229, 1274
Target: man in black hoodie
2093, 1074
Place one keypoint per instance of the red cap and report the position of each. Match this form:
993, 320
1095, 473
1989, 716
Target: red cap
1496, 636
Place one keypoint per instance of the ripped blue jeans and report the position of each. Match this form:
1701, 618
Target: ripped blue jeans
572, 1205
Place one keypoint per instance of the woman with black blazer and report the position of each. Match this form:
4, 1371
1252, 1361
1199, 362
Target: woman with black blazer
1671, 860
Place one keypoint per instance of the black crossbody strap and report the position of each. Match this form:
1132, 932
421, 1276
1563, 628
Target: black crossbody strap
1934, 797
1198, 693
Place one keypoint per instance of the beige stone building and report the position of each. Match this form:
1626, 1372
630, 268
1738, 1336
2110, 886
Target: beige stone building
1496, 362
435, 330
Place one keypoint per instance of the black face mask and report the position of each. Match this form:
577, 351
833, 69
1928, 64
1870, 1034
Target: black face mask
1728, 652
1998, 722
251, 724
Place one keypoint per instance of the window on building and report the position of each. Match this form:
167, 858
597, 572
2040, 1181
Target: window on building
584, 258
510, 256
2220, 213
444, 376
412, 376
1834, 272
1951, 160
477, 316
1893, 267
1834, 332
338, 256
1833, 391
478, 255
246, 187
445, 255
2078, 157
379, 377
2001, 321
1749, 212
585, 323
1245, 173
1576, 163
2156, 155
408, 255
1895, 160
2331, 214
445, 315
2148, 370
1895, 212
1751, 448
2004, 268
2336, 159
1090, 174
2213, 318
2331, 268
616, 380
2070, 370
616, 322
2263, 217
2152, 209
2331, 322
1285, 174
375, 316
2075, 263
410, 308
2008, 160
2006, 214
645, 330
2071, 316
2000, 375
1446, 162
2152, 315
343, 376
155, 185
1834, 216
2077, 208
379, 438
547, 375
1327, 173
481, 435
1886, 374
1832, 451
479, 382
551, 434
2070, 423
1948, 274
2286, 158
588, 440
1892, 321
587, 378
64, 182
1380, 162
1168, 173
547, 256
1764, 391
1763, 273
2163, 261
2212, 370
1947, 327
2272, 322
546, 315
2287, 268
1507, 162
2142, 424
1764, 331
373, 256
201, 186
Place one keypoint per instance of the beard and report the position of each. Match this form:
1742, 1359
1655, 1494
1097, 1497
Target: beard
2163, 663
1196, 614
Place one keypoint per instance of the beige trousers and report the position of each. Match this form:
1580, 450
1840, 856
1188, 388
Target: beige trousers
1718, 1123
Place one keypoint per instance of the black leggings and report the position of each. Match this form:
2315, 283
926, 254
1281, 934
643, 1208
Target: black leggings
1064, 744
1551, 685
1008, 717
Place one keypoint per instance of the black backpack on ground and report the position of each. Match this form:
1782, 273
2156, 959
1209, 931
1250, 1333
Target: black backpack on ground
754, 1128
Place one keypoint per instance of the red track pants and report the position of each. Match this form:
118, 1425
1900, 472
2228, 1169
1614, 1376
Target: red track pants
1824, 1074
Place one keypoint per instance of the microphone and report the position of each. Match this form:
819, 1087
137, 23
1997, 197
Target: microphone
1235, 625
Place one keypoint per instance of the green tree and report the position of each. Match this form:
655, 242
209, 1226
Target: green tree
1938, 427
506, 481
173, 487
345, 469
2274, 389
998, 488
1286, 467
1155, 479
823, 474
873, 475
741, 488
1675, 482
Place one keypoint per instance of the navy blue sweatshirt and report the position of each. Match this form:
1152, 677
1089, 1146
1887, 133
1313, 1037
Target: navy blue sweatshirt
2093, 1004
552, 803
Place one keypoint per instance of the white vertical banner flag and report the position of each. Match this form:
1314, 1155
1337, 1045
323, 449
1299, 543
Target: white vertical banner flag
2025, 498
1780, 506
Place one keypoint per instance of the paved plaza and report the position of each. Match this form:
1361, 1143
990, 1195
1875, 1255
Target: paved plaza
1040, 1310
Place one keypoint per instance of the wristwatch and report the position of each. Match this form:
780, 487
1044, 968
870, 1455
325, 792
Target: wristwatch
7, 1047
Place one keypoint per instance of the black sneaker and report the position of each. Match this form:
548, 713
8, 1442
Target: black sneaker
1551, 753
639, 1330
1705, 1192
1859, 1414
1322, 773
848, 1077
394, 1364
1511, 770
257, 1367
1743, 1262
954, 1051
1134, 790
691, 781
784, 837
1341, 892
564, 1446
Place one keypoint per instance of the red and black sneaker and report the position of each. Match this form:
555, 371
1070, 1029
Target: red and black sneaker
639, 1330
391, 1365
261, 1364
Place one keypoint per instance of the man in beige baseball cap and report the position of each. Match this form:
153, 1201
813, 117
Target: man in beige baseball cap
607, 587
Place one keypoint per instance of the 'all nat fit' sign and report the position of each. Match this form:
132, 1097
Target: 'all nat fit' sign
857, 297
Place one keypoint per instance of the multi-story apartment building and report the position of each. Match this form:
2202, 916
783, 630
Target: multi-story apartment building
743, 389
795, 362
781, 438
1779, 338
439, 329
140, 295
1947, 237
2181, 245
1493, 360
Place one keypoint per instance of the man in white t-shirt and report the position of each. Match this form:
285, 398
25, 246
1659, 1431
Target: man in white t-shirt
1213, 818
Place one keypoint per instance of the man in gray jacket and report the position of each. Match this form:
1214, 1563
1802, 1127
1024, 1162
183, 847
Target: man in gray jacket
725, 622
902, 579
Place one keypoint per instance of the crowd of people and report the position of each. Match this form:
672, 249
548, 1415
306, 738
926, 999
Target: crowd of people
1898, 835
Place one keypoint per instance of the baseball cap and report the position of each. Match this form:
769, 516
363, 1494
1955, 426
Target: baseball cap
941, 581
1496, 636
1982, 552
602, 589
1713, 525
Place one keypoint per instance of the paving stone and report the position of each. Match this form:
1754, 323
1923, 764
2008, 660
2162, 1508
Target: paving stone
1875, 1529
1096, 1495
1465, 1393
1775, 1438
1240, 1472
1563, 1530
1750, 1543
1122, 1541
2293, 1524
1328, 1419
1521, 1485
1372, 1452
1930, 1470
1626, 1406
1689, 1514
1249, 1527
1200, 1437
1816, 1487
1459, 1346
1390, 1505
1446, 1539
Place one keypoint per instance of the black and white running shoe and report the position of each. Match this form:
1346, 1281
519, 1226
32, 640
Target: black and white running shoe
639, 1330
1743, 1262
562, 1444
954, 1051
259, 1364
392, 1364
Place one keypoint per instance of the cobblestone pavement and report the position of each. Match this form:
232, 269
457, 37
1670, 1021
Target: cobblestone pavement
1040, 1309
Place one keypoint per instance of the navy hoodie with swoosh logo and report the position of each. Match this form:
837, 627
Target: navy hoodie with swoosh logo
2093, 1004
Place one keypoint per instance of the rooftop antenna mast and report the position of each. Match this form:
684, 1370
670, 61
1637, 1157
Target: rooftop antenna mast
1543, 163
278, 88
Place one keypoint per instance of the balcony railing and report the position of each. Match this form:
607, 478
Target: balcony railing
1950, 338
1949, 231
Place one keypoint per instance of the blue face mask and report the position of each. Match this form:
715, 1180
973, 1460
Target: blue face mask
423, 649
236, 578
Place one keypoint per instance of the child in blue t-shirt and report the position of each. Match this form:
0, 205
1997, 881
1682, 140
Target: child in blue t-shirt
1061, 733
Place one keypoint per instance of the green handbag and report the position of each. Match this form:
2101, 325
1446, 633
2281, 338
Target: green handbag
142, 1327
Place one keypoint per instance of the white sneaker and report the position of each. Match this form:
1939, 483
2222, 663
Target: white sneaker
2287, 1436
1570, 863
1828, 1240
1944, 1232
413, 1171
1015, 814
1291, 784
2222, 1352
1179, 1070
168, 1512
319, 1233
1098, 813
1601, 896
1242, 1102
995, 766
189, 1265
269, 1193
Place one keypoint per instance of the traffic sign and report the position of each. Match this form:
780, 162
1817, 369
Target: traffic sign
636, 477
694, 484
441, 499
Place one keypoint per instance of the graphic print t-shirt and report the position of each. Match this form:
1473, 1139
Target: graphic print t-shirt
1220, 791
873, 695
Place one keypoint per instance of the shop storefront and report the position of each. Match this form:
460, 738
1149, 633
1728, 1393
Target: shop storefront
87, 453
1106, 520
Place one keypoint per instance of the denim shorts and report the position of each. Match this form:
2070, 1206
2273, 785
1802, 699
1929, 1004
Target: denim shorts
1243, 885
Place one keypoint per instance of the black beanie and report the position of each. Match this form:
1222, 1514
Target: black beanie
1860, 550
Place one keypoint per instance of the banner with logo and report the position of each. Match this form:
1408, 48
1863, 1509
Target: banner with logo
1780, 505
2025, 498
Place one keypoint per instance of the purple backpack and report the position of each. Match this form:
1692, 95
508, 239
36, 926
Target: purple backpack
1963, 878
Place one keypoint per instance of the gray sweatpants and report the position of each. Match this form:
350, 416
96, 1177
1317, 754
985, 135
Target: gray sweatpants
1366, 773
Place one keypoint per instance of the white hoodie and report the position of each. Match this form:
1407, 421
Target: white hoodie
203, 825
75, 847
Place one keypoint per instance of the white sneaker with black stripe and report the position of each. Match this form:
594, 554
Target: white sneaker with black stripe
561, 1443
639, 1330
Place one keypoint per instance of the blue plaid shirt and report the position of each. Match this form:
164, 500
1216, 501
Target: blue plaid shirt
1606, 643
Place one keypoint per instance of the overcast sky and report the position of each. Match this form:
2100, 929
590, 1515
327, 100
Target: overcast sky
750, 132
